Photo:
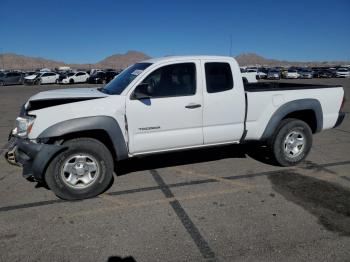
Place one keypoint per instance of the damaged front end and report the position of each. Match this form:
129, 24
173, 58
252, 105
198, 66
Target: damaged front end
32, 153
32, 156
11, 148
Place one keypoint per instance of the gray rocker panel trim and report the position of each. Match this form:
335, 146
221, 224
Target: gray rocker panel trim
290, 107
106, 123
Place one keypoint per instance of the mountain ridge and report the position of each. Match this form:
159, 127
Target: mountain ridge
120, 61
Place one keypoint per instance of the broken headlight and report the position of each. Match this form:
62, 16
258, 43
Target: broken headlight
23, 126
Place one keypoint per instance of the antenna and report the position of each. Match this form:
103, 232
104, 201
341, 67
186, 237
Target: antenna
230, 45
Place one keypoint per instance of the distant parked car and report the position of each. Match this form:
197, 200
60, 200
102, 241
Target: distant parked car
325, 73
110, 75
11, 78
291, 73
102, 77
42, 78
315, 72
94, 71
63, 75
262, 73
78, 77
29, 73
343, 72
305, 73
273, 74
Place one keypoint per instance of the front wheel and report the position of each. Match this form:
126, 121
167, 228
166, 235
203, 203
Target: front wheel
82, 171
291, 142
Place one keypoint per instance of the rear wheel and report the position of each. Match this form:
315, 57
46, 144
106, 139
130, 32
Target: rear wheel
291, 142
82, 171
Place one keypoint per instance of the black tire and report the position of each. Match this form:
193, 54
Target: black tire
38, 82
1, 83
54, 175
71, 81
279, 146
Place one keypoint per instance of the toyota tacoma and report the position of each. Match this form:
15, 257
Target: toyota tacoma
72, 139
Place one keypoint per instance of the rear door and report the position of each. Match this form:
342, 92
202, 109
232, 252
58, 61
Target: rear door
45, 78
16, 78
79, 77
224, 102
52, 78
10, 78
172, 117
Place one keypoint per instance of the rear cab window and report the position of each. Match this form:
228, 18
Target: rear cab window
218, 76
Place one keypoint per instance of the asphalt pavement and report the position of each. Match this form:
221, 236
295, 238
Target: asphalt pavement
214, 204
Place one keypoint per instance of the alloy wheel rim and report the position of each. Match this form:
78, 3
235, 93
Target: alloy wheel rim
80, 171
294, 144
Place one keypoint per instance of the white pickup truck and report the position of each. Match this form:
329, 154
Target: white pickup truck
72, 139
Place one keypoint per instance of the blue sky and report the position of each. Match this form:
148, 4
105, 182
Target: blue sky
88, 31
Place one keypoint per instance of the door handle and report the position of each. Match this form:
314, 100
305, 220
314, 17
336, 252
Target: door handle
193, 105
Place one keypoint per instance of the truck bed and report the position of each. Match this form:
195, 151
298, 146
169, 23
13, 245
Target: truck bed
265, 98
278, 86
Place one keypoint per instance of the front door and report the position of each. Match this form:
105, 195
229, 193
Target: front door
172, 117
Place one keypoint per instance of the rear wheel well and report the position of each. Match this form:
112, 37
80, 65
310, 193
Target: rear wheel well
100, 135
308, 116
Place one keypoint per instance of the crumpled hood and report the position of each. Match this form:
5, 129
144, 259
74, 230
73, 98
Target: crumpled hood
62, 96
68, 93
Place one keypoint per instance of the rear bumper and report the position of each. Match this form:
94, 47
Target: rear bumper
32, 157
340, 119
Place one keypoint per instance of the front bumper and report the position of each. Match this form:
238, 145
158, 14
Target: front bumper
33, 157
340, 119
30, 81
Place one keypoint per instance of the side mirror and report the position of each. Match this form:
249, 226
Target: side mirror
143, 91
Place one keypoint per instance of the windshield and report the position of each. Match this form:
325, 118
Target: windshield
118, 84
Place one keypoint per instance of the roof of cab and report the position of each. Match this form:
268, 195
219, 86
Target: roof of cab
189, 57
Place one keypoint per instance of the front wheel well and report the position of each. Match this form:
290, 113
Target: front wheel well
98, 134
308, 116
